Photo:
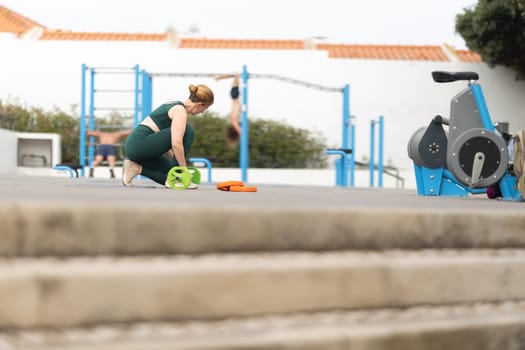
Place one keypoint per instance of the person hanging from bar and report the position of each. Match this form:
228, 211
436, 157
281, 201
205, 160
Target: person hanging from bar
233, 132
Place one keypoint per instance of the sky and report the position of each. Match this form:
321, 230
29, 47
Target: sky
404, 22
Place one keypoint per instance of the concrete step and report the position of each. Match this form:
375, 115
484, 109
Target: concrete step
34, 229
72, 292
470, 326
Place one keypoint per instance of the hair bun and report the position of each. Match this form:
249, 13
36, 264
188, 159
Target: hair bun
193, 89
201, 93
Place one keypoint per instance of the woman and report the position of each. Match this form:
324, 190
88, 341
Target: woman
163, 140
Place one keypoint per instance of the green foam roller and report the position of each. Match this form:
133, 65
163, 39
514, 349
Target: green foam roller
179, 178
195, 175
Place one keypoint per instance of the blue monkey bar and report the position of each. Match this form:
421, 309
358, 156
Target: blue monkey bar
342, 165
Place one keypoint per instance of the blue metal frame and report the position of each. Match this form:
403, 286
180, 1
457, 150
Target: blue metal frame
244, 152
205, 161
380, 145
341, 167
72, 172
348, 142
82, 128
136, 119
347, 164
89, 124
482, 106
371, 165
147, 94
91, 147
440, 181
352, 147
346, 115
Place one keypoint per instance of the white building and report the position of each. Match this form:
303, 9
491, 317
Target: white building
42, 67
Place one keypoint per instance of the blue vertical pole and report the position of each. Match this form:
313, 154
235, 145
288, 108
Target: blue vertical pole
82, 136
346, 115
150, 95
338, 167
146, 94
372, 160
380, 157
244, 153
91, 148
346, 127
482, 107
136, 120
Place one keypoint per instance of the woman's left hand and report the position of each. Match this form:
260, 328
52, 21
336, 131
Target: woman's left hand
169, 154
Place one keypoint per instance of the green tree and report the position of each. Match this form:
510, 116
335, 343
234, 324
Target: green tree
114, 121
275, 144
496, 30
67, 126
15, 117
210, 141
272, 144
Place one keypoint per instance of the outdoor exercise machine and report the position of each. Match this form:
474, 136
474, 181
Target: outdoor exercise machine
471, 156
88, 111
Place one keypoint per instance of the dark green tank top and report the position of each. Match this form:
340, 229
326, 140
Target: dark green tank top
160, 114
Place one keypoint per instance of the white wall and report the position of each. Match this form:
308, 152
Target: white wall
48, 74
8, 145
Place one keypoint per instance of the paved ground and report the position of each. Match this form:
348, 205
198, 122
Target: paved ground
68, 229
44, 216
85, 191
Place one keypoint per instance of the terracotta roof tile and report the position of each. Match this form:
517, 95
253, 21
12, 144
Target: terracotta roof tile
469, 56
12, 22
87, 36
385, 52
195, 43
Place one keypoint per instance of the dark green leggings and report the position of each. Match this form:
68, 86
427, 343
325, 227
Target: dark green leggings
147, 148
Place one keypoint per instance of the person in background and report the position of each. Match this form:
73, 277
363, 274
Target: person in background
106, 149
164, 138
233, 132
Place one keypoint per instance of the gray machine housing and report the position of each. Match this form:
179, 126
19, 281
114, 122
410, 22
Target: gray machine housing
476, 156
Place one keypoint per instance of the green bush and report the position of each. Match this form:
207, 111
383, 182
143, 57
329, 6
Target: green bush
272, 144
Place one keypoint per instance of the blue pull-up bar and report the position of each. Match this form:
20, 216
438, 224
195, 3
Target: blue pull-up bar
244, 142
244, 155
